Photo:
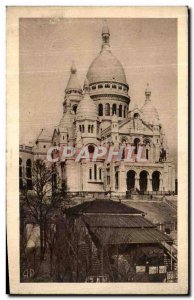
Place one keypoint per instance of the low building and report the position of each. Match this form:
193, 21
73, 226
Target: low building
110, 241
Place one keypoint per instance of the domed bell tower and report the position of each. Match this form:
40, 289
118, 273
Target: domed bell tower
87, 123
108, 84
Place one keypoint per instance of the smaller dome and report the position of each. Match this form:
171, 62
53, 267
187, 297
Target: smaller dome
86, 108
73, 83
150, 113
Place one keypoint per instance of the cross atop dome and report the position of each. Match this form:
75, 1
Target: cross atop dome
148, 92
105, 28
105, 35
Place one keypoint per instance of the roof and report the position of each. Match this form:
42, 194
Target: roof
102, 207
73, 83
86, 108
106, 67
129, 235
117, 221
150, 113
156, 212
45, 134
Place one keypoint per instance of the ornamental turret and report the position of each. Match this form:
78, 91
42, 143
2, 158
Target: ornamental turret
150, 114
87, 122
73, 91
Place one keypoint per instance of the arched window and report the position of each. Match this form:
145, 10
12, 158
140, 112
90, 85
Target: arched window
114, 86
100, 86
100, 174
120, 110
147, 154
20, 174
107, 85
107, 109
95, 172
100, 109
29, 174
136, 116
114, 109
90, 173
136, 142
93, 87
75, 109
117, 180
88, 128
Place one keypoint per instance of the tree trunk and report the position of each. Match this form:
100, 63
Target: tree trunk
51, 262
41, 242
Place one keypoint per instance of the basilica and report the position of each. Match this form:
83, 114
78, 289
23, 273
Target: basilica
103, 114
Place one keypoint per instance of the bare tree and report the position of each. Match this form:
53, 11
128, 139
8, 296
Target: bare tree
45, 199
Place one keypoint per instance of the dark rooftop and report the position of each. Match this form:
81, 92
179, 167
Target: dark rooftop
102, 207
117, 221
129, 235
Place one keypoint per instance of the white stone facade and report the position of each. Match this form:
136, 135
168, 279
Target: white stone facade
103, 114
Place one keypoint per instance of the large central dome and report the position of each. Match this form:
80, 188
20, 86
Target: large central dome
106, 67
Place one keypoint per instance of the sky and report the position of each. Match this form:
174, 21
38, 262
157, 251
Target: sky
147, 49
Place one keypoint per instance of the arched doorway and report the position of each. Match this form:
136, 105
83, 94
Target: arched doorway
155, 181
143, 181
130, 180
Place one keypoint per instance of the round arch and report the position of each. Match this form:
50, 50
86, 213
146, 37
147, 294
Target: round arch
131, 179
143, 180
100, 109
74, 108
156, 181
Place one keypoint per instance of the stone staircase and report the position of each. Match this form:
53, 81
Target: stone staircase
84, 251
95, 269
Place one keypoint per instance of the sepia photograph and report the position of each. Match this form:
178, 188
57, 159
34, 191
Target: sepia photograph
98, 154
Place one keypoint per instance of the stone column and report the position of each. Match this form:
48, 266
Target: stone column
161, 183
137, 185
149, 184
151, 154
122, 179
